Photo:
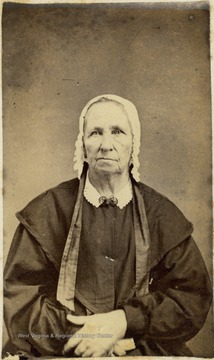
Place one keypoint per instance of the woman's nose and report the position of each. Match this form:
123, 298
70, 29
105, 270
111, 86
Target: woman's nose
106, 142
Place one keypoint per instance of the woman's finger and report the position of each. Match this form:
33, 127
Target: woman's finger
84, 350
71, 343
118, 350
80, 349
78, 320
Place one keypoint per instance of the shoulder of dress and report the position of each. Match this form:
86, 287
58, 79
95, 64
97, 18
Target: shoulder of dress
72, 184
151, 194
159, 203
47, 218
59, 196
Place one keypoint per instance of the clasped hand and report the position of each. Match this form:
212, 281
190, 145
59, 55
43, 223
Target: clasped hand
99, 334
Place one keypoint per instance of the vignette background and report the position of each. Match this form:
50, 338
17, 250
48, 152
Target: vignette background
57, 57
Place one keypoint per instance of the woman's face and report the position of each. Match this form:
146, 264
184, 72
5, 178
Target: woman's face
107, 138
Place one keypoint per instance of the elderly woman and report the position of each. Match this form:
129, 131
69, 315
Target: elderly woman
104, 265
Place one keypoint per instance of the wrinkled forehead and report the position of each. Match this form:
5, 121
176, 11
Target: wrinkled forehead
106, 108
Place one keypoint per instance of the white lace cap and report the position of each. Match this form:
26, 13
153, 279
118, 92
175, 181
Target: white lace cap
133, 117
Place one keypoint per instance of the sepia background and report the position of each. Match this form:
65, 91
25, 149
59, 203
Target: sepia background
56, 58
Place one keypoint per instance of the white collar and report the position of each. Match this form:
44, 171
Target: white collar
92, 195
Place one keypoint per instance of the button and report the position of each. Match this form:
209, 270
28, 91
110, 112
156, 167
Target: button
109, 258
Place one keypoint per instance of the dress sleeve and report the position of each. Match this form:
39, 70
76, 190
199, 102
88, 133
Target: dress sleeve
32, 314
178, 301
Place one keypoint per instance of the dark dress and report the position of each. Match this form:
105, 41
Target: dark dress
173, 311
106, 262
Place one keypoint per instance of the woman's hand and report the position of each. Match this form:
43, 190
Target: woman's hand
99, 334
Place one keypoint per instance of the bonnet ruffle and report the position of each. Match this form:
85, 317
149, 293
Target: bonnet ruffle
135, 127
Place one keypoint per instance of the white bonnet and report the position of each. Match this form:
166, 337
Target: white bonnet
135, 126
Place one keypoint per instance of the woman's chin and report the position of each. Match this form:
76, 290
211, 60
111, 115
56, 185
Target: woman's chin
107, 169
106, 172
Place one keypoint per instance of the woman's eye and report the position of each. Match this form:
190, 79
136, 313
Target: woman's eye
116, 131
95, 132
